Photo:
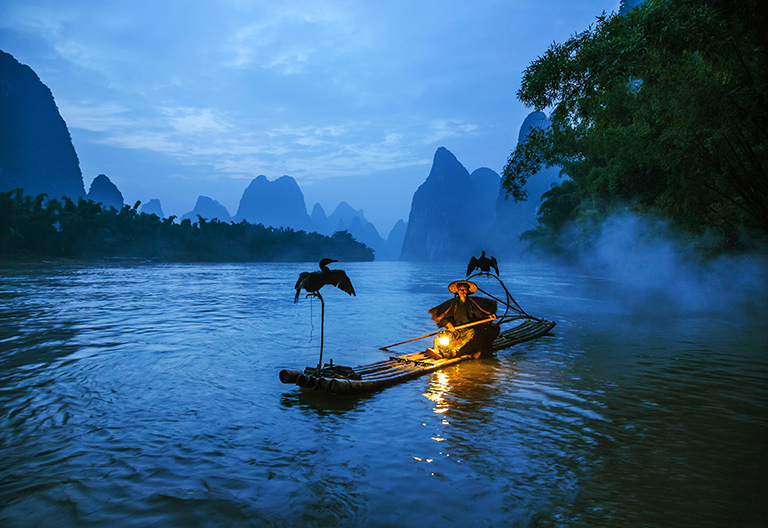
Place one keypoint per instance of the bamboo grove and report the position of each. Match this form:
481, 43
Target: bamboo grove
662, 111
36, 227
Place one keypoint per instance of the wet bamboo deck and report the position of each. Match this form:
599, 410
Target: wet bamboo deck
398, 369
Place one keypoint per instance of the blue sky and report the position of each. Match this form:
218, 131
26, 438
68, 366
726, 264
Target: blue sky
181, 98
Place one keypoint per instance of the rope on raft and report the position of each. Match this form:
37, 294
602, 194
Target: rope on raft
417, 362
510, 302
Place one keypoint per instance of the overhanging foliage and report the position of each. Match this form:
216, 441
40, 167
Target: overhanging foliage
663, 109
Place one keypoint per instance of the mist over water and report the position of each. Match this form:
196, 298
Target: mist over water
148, 395
650, 269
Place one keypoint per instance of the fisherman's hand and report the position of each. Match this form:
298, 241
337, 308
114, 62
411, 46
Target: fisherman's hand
449, 326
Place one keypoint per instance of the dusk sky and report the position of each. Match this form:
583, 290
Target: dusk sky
176, 99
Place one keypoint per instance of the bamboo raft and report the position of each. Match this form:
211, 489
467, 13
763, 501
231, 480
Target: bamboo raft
398, 369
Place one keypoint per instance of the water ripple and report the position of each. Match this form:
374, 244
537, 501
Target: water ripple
147, 395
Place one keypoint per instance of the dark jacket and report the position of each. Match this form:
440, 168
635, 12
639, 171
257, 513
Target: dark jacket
477, 308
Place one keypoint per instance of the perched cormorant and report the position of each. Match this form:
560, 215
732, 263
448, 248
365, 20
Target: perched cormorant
312, 281
483, 263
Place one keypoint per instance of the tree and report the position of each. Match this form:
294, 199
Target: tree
34, 227
662, 110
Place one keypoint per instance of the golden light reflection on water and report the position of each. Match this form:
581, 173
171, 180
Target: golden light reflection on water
466, 385
438, 388
460, 397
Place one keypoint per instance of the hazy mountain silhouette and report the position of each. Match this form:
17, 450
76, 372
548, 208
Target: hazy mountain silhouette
455, 214
513, 219
208, 208
36, 154
319, 218
365, 232
344, 215
627, 5
347, 218
339, 220
36, 151
532, 121
105, 192
447, 216
278, 203
487, 182
395, 239
153, 207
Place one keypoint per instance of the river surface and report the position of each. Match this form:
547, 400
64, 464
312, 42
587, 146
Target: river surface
146, 394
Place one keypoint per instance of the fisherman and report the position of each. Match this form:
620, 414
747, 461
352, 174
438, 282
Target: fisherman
461, 310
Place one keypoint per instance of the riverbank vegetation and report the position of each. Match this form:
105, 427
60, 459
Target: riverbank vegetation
662, 111
41, 228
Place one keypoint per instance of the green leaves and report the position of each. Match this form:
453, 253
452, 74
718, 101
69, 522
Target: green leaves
33, 228
663, 108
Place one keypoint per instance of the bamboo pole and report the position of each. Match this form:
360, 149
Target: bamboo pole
435, 333
289, 376
389, 372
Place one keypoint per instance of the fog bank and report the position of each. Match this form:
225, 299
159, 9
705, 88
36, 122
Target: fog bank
645, 265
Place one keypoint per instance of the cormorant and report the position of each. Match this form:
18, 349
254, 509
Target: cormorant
483, 263
314, 280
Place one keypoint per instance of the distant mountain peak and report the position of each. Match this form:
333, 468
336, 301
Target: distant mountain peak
105, 192
209, 209
346, 213
278, 203
447, 213
318, 209
446, 167
36, 151
443, 152
532, 120
153, 207
627, 5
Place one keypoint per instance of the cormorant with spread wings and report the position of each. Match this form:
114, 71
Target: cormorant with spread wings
314, 280
483, 263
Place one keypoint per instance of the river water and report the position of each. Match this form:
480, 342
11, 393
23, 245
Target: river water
146, 394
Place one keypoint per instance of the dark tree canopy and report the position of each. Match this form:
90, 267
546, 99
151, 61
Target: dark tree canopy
36, 227
662, 110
